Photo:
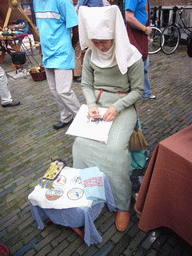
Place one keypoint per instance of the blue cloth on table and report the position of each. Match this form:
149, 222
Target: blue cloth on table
26, 29
77, 217
93, 184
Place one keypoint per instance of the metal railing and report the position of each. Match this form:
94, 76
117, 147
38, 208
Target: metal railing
161, 16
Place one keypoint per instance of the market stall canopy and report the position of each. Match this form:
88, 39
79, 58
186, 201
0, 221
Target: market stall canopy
15, 14
11, 11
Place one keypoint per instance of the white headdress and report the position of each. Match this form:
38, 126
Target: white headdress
106, 23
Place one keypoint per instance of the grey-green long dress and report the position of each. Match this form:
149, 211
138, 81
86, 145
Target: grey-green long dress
112, 158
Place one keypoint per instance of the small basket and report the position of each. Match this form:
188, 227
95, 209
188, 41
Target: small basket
38, 73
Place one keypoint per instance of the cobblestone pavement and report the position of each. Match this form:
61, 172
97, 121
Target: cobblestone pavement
28, 141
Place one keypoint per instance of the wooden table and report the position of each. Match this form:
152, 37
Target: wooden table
165, 196
75, 217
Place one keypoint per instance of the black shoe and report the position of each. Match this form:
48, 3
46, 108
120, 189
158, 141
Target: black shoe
11, 104
62, 125
78, 79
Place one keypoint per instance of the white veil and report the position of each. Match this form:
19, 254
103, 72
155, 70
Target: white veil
107, 23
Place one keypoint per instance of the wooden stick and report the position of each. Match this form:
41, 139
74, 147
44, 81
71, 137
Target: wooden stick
79, 232
7, 18
30, 22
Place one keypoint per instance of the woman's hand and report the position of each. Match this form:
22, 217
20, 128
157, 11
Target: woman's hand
94, 112
110, 114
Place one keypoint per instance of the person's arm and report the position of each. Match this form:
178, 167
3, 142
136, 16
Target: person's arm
132, 21
88, 91
136, 81
88, 87
70, 18
82, 3
75, 37
87, 82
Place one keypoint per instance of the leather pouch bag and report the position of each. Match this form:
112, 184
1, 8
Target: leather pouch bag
139, 40
137, 141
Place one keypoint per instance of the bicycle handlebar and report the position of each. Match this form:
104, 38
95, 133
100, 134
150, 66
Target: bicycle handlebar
176, 8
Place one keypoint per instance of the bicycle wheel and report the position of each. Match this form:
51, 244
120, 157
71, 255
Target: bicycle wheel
155, 40
171, 39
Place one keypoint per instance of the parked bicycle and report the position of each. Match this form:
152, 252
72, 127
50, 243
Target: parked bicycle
156, 40
171, 34
156, 34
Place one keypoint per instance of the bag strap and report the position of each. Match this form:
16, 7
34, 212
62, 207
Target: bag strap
137, 123
148, 10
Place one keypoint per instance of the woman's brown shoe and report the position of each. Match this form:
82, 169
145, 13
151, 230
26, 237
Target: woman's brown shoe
122, 220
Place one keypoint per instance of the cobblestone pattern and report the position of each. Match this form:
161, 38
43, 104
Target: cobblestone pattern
28, 141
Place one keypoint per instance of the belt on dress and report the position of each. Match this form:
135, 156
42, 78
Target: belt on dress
102, 90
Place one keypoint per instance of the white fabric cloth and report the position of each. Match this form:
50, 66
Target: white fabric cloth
67, 192
105, 23
5, 94
104, 59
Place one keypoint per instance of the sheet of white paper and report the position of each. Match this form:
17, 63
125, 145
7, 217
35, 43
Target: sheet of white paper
85, 127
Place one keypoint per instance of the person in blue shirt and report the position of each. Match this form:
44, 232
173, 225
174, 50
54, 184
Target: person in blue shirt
55, 20
91, 3
136, 14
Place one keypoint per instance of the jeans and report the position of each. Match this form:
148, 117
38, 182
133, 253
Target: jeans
147, 87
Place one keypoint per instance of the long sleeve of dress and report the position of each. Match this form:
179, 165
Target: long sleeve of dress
136, 82
111, 79
88, 81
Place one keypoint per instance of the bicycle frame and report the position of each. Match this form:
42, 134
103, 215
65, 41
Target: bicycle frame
180, 23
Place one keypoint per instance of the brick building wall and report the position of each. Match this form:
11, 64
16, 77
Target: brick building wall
170, 2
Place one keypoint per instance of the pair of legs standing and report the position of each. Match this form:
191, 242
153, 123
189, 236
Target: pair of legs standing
60, 82
5, 95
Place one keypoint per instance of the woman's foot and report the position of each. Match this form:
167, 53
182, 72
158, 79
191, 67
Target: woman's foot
122, 220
